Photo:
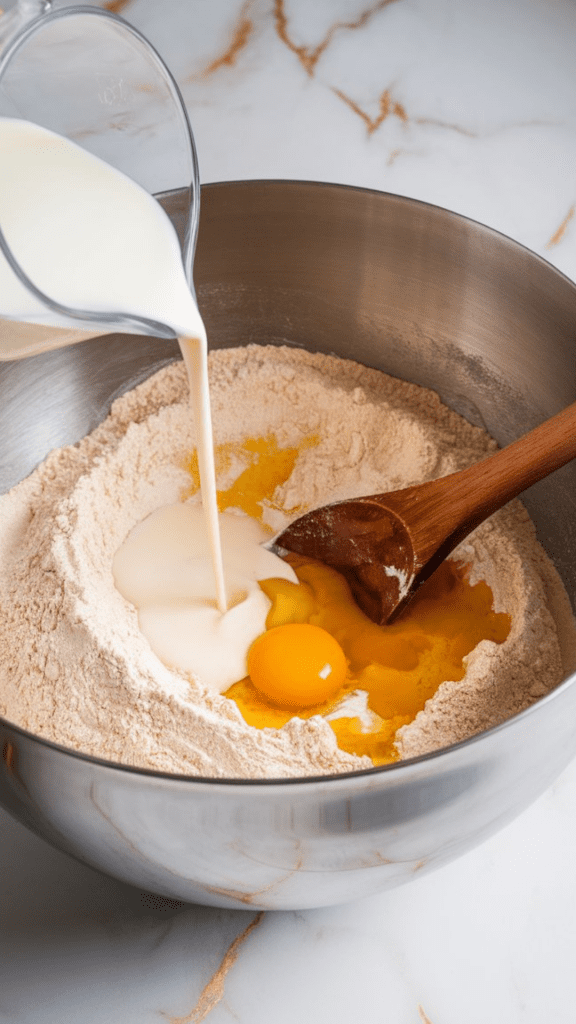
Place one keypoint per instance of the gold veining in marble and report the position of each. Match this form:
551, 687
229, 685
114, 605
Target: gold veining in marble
395, 154
435, 122
387, 106
561, 230
241, 34
310, 55
116, 6
423, 1017
213, 991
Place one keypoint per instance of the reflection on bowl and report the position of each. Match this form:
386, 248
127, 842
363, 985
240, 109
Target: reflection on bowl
426, 296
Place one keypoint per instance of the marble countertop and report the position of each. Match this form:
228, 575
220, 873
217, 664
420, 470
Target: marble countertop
473, 107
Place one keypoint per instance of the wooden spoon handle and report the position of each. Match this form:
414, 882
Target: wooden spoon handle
507, 473
449, 508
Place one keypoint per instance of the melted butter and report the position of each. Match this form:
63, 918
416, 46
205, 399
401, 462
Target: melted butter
267, 466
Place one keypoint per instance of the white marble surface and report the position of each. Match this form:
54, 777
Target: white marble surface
471, 106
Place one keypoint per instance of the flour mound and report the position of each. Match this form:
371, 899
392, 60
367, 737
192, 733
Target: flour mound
74, 666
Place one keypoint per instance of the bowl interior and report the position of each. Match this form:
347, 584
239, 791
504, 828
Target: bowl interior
411, 289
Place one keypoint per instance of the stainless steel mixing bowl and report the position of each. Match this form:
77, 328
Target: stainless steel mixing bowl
422, 294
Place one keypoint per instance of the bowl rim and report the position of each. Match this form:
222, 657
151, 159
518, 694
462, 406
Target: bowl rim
443, 753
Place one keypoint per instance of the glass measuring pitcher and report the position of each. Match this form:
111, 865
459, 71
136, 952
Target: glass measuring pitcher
94, 79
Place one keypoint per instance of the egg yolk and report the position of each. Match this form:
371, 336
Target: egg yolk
320, 654
390, 671
297, 665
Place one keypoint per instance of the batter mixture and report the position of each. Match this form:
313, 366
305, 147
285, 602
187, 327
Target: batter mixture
74, 664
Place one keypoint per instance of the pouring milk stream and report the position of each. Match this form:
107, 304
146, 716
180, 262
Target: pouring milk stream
90, 238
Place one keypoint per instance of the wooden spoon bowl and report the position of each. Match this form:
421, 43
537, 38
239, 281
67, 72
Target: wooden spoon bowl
387, 545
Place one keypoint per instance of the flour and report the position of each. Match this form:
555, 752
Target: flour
74, 666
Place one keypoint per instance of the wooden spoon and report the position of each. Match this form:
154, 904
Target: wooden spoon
387, 545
